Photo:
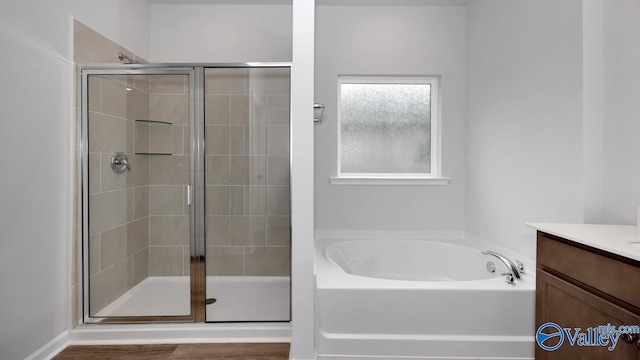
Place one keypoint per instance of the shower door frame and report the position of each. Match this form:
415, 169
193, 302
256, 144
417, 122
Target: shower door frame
197, 240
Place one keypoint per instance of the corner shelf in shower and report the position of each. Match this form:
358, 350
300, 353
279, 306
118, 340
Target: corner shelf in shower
153, 122
158, 122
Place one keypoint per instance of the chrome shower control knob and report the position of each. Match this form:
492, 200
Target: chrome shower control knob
120, 162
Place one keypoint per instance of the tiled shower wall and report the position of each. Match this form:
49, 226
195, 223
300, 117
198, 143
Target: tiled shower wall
118, 203
247, 172
112, 260
140, 219
168, 175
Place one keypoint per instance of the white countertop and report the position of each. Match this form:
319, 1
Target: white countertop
623, 240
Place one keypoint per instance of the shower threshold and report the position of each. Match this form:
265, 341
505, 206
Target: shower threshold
238, 298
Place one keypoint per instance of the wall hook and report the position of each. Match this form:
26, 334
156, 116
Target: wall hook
317, 106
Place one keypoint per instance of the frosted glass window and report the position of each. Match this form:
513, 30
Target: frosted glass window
386, 128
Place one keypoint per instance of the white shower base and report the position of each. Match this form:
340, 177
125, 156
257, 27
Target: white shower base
239, 298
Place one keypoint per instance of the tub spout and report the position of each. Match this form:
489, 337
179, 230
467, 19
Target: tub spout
512, 270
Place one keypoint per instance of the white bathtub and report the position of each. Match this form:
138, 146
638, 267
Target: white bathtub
419, 299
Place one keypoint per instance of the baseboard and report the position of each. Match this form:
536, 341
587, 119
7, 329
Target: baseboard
52, 348
165, 334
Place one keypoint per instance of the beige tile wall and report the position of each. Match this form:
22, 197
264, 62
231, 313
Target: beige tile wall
118, 203
169, 250
125, 232
247, 172
90, 47
139, 221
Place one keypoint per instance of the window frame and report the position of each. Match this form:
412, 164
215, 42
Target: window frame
432, 178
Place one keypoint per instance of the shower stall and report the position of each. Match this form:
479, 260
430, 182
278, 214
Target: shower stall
185, 192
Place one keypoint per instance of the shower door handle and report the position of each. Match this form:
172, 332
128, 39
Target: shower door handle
188, 194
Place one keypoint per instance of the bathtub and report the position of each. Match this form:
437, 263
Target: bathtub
420, 299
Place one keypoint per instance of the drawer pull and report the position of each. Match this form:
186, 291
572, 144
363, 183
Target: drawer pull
628, 338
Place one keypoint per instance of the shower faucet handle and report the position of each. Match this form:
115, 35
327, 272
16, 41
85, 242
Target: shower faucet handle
120, 163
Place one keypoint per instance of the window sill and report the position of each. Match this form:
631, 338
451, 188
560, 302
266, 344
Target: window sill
436, 181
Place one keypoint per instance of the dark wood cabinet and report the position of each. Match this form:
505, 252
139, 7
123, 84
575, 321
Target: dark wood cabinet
582, 287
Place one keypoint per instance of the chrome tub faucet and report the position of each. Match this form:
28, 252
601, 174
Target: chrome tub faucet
513, 271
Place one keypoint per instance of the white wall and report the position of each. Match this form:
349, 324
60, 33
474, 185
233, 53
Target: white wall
302, 244
622, 122
395, 40
220, 33
593, 109
524, 118
36, 140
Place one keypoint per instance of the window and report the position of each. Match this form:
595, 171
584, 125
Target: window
388, 131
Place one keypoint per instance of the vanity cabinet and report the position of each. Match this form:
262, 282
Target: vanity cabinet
578, 286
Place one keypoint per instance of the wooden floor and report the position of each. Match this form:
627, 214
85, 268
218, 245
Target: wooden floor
266, 351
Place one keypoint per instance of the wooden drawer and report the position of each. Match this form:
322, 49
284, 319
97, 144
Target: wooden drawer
570, 306
612, 277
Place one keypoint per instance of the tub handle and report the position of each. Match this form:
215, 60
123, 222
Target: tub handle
509, 279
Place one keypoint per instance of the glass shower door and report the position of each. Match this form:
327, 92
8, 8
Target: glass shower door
185, 193
247, 201
137, 175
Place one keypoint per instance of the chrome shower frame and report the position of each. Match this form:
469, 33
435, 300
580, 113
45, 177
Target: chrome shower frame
195, 73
